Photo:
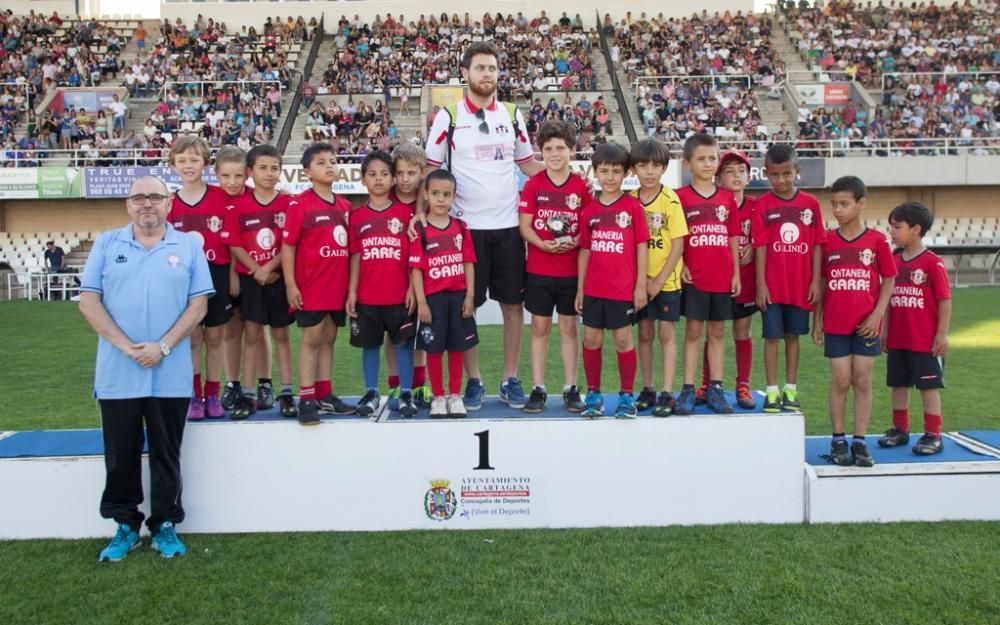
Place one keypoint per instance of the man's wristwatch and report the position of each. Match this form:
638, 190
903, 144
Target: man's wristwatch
164, 349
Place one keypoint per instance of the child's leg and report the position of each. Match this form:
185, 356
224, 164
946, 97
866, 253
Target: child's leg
197, 340
456, 360
771, 362
626, 358
232, 345
403, 356
931, 398
791, 358
706, 360
743, 349
370, 362
694, 333
570, 348
391, 365
214, 354
861, 379
419, 368
716, 349
541, 326
284, 349
840, 384
593, 341
901, 408
435, 373
668, 349
309, 353
264, 357
644, 351
324, 363
254, 333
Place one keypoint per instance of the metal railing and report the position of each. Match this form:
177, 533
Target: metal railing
196, 88
837, 148
716, 79
920, 75
623, 108
293, 108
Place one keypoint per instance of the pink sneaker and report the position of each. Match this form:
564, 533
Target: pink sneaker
213, 408
196, 410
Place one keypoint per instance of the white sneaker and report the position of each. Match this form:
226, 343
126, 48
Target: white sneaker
439, 408
456, 407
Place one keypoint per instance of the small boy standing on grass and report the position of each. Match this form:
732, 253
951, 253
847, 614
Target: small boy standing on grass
610, 284
667, 229
916, 332
857, 274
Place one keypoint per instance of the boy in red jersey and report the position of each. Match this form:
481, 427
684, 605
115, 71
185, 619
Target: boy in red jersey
611, 283
408, 163
788, 233
916, 332
442, 265
255, 242
201, 210
379, 297
857, 277
550, 207
315, 262
711, 278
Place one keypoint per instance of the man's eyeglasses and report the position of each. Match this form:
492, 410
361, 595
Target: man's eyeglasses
483, 126
154, 198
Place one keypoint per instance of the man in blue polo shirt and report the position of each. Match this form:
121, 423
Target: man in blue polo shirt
145, 287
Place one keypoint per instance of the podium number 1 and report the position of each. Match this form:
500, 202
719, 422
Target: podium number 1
484, 451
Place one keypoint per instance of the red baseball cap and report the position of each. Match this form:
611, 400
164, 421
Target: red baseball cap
732, 155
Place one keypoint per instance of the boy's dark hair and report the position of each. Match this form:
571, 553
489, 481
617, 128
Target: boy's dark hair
611, 153
781, 153
377, 155
479, 47
264, 149
439, 174
313, 150
850, 184
650, 151
913, 214
696, 141
556, 129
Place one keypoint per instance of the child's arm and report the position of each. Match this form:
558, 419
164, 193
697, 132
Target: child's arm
288, 268
639, 296
940, 347
734, 247
531, 237
676, 252
269, 270
417, 282
814, 286
234, 279
817, 332
760, 262
352, 285
869, 327
581, 271
243, 257
469, 304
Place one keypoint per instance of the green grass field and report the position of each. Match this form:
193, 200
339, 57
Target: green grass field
895, 574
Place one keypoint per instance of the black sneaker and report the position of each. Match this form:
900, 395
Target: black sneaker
572, 400
861, 456
369, 403
265, 396
665, 403
717, 400
407, 408
772, 402
536, 401
894, 438
928, 445
331, 404
646, 398
286, 404
308, 412
231, 395
840, 454
245, 406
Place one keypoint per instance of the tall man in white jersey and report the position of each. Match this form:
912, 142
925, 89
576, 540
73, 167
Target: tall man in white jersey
486, 146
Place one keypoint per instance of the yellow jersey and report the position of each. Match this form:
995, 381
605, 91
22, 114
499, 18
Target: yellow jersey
665, 219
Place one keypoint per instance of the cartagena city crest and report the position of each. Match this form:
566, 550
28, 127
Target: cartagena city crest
440, 502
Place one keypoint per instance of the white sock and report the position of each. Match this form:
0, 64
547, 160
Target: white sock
566, 387
771, 388
541, 387
789, 387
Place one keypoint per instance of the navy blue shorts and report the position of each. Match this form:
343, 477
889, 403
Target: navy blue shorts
906, 369
666, 306
782, 319
841, 345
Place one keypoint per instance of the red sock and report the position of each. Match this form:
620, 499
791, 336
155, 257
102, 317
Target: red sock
932, 424
626, 370
211, 389
323, 388
393, 381
456, 360
592, 368
419, 376
307, 392
901, 420
706, 374
434, 371
198, 392
744, 360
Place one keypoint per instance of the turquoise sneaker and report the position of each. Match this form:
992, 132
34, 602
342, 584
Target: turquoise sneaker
125, 540
593, 405
166, 541
626, 407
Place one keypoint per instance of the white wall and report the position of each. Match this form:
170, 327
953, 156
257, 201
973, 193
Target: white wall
45, 7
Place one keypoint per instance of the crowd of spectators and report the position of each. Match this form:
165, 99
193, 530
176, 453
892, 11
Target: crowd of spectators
865, 40
355, 128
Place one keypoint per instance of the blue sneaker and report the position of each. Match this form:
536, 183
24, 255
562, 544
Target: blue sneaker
474, 393
166, 541
125, 540
717, 400
593, 405
685, 402
512, 393
394, 398
626, 407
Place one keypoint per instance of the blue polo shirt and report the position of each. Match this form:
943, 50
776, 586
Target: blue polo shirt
145, 292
